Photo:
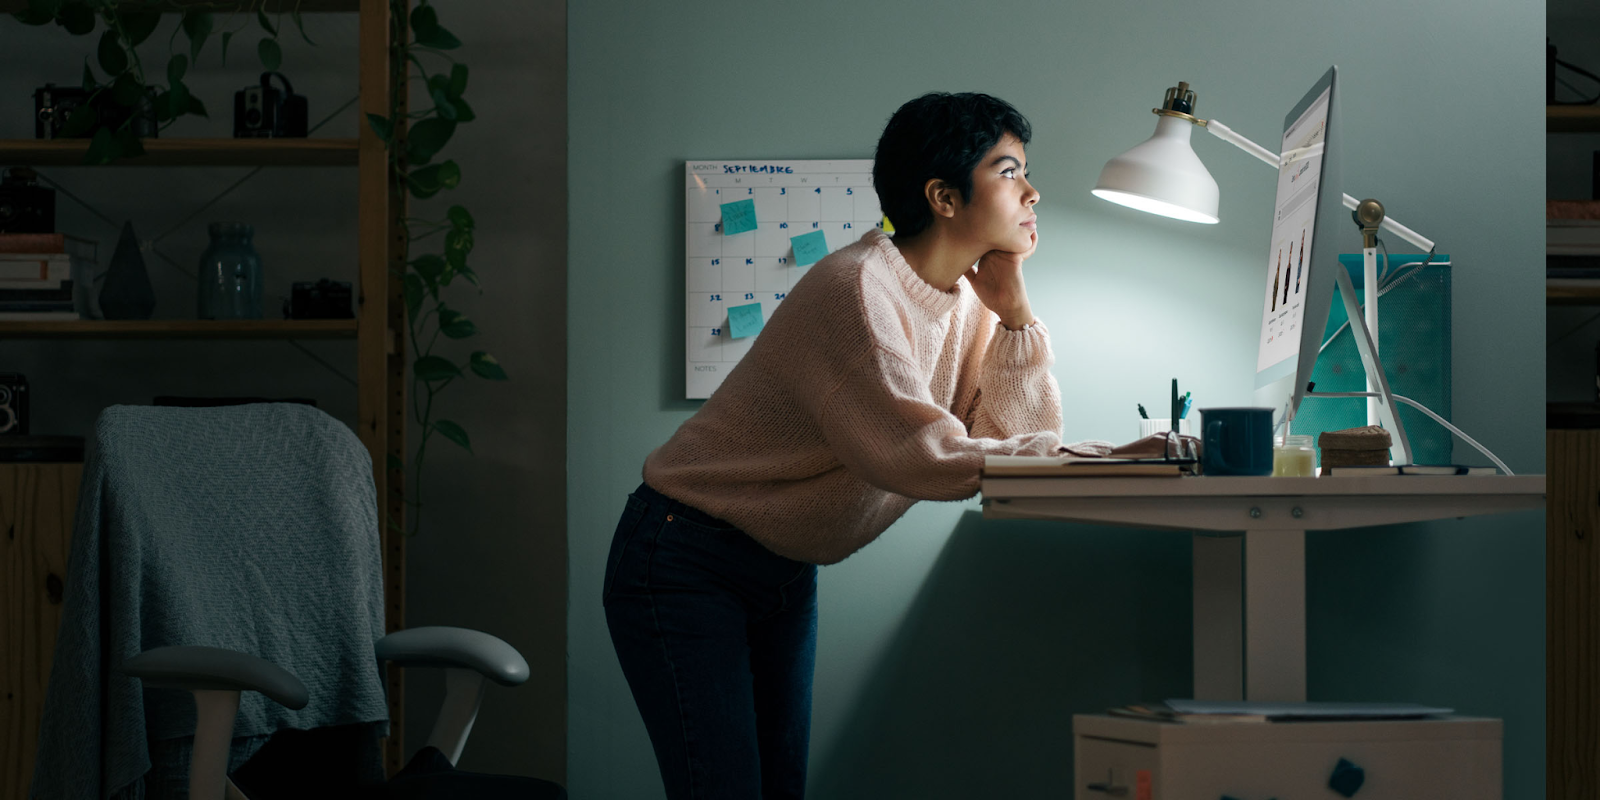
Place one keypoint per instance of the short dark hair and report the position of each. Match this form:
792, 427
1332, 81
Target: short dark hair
938, 135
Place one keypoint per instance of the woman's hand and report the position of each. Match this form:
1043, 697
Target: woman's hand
997, 279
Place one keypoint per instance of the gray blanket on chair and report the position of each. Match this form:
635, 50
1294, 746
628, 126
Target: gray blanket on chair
248, 527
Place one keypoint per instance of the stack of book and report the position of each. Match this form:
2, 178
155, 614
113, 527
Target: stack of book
45, 276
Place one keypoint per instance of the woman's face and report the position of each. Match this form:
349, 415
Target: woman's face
999, 215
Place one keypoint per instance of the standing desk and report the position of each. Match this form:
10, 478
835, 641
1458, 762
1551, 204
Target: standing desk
1249, 548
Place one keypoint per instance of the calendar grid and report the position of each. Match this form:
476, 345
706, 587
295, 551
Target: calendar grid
723, 271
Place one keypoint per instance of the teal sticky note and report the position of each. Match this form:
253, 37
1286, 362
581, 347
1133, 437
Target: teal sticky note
809, 248
744, 320
738, 217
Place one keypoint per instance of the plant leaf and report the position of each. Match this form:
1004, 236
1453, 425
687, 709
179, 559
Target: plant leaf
485, 366
126, 91
461, 218
424, 20
435, 368
89, 83
429, 267
227, 36
437, 38
197, 108
426, 138
28, 16
77, 18
113, 59
80, 121
271, 54
299, 23
463, 111
178, 99
414, 292
102, 149
455, 324
266, 24
457, 244
197, 25
137, 25
428, 181
458, 81
441, 104
466, 272
177, 67
454, 433
382, 127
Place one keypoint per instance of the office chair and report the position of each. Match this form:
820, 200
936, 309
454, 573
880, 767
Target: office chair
223, 550
216, 676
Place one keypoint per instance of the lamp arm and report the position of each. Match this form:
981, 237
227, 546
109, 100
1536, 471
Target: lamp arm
1273, 160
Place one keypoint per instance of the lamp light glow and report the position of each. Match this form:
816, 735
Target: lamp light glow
1154, 206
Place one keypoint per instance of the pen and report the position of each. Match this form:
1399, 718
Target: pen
1142, 415
1172, 421
1187, 401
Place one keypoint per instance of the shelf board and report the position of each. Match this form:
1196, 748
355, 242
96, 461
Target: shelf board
1568, 294
180, 329
1572, 119
210, 152
222, 6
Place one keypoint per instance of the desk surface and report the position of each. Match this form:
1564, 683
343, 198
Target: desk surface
1231, 486
1259, 503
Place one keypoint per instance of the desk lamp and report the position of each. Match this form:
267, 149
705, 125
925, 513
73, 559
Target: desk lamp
1162, 175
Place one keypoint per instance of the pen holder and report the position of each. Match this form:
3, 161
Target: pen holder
1148, 427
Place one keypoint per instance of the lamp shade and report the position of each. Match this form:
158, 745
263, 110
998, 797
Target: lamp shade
1162, 175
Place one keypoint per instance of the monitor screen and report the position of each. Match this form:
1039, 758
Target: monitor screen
1294, 230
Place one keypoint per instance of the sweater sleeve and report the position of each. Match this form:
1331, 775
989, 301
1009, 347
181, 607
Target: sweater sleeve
1016, 392
881, 422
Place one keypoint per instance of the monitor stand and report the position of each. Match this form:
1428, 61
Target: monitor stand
1388, 417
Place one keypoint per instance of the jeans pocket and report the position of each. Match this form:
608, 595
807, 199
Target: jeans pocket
632, 515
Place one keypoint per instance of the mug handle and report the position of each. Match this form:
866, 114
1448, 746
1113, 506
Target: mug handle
1213, 443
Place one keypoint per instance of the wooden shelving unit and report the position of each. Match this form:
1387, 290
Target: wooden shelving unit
1566, 295
380, 305
191, 153
1572, 119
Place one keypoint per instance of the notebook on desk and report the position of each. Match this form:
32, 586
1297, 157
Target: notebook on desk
1084, 467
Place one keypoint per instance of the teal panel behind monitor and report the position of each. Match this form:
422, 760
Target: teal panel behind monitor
1414, 346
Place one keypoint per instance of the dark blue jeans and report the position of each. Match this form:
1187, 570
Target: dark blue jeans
717, 636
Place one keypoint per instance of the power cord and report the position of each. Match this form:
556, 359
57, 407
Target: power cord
1436, 418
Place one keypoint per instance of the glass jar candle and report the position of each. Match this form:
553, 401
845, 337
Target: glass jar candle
1294, 457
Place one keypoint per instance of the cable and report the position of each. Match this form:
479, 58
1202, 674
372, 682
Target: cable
1436, 418
1580, 71
1383, 289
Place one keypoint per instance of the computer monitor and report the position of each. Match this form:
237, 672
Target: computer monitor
1304, 253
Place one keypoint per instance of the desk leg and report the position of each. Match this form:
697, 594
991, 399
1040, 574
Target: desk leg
1275, 616
1218, 622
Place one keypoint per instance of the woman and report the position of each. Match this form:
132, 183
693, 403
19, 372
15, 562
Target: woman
888, 374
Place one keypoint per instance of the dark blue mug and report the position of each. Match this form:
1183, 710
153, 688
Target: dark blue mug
1236, 441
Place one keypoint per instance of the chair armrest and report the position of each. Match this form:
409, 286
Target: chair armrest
194, 667
440, 646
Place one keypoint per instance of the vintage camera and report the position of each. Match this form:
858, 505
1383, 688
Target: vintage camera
53, 104
25, 206
324, 299
13, 404
265, 112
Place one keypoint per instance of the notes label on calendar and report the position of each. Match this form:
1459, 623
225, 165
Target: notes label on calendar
738, 217
809, 248
886, 225
744, 320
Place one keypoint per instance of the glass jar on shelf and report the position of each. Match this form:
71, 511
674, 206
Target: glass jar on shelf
230, 284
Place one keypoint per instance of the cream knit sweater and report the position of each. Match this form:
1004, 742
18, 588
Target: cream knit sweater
867, 391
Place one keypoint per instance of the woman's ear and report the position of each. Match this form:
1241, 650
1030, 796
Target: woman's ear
943, 199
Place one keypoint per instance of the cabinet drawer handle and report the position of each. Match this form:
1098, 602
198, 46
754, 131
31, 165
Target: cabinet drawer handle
1110, 787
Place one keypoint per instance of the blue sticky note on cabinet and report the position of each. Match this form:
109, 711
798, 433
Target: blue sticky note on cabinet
738, 217
809, 248
744, 320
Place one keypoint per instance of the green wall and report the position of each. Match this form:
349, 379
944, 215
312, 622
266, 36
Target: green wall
953, 651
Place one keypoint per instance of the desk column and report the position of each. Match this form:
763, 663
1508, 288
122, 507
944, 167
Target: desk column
1250, 616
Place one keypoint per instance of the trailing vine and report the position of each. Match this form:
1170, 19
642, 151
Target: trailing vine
427, 275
